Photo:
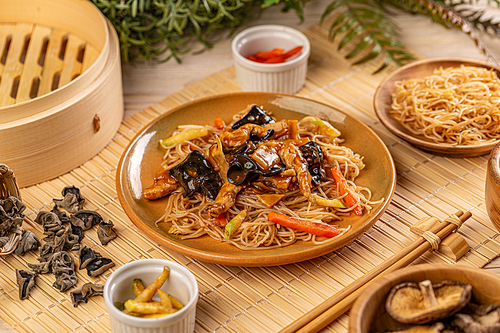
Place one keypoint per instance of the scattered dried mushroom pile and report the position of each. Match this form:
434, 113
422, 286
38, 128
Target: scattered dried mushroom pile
54, 256
444, 307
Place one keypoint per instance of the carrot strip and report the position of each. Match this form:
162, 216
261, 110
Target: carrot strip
318, 229
293, 51
254, 58
275, 60
264, 55
219, 123
351, 198
284, 56
274, 56
221, 220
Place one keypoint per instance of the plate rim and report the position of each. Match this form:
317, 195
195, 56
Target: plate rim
242, 260
442, 149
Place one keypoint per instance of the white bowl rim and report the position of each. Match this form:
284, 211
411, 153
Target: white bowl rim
303, 56
137, 321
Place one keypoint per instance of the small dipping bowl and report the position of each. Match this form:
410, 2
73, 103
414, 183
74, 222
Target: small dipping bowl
287, 77
492, 188
181, 284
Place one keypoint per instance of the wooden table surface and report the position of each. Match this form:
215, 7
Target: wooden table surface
147, 84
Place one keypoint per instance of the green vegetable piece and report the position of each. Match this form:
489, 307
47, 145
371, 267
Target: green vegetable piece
138, 286
234, 224
185, 136
326, 128
120, 306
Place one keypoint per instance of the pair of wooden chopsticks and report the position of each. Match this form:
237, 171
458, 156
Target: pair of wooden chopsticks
335, 306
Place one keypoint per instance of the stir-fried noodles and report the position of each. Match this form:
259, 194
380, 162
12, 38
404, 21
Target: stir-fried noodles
289, 191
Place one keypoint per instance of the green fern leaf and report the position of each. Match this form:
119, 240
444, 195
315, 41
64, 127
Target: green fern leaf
350, 36
375, 52
360, 47
331, 7
364, 25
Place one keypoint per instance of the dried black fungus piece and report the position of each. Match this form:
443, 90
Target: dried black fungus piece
246, 149
105, 232
196, 174
72, 201
63, 269
4, 240
76, 230
85, 219
83, 293
243, 167
256, 138
28, 242
64, 239
313, 154
99, 266
86, 255
42, 267
50, 223
11, 216
25, 281
48, 249
63, 217
71, 241
255, 116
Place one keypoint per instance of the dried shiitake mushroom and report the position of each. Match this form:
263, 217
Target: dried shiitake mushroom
422, 303
477, 319
436, 328
466, 324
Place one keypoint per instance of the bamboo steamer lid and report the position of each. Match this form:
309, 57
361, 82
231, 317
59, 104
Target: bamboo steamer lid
61, 97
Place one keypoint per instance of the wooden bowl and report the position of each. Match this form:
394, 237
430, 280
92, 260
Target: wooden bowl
369, 314
492, 187
383, 99
61, 97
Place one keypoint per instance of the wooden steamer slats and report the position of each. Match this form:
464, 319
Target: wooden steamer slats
32, 70
38, 60
17, 35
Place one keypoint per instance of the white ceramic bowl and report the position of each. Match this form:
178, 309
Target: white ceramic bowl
181, 284
287, 77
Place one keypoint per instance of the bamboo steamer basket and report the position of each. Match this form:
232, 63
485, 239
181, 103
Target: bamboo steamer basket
61, 97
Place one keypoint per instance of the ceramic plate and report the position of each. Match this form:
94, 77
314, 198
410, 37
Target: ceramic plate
383, 99
143, 156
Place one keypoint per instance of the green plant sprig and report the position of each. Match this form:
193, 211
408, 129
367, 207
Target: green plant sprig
363, 23
158, 30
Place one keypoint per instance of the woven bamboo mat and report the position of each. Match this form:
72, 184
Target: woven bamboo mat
258, 299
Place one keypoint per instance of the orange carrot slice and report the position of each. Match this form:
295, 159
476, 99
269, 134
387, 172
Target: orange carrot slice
351, 198
318, 229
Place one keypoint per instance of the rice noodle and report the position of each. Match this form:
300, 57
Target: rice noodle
458, 106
